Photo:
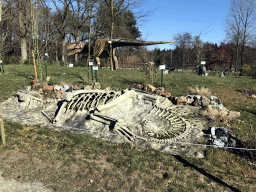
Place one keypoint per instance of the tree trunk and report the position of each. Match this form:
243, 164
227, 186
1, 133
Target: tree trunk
23, 46
111, 35
63, 49
56, 53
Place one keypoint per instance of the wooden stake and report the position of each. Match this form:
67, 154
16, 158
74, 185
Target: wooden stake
2, 133
34, 61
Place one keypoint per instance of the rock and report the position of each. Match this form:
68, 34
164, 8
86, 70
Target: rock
37, 86
88, 87
55, 87
107, 89
60, 94
137, 86
182, 100
76, 87
189, 100
91, 181
96, 85
197, 102
234, 114
166, 94
48, 78
48, 88
40, 90
159, 91
205, 101
35, 81
199, 155
65, 87
26, 88
149, 88
215, 99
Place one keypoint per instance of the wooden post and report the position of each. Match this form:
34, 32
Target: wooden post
2, 124
34, 61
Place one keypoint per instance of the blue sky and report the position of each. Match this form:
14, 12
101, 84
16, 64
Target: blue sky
176, 16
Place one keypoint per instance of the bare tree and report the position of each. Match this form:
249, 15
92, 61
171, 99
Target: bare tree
184, 41
61, 21
240, 25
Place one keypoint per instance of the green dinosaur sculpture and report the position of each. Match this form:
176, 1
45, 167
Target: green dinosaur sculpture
100, 48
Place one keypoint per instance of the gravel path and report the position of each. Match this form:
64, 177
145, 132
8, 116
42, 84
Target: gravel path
15, 186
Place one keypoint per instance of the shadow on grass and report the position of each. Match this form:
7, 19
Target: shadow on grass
202, 171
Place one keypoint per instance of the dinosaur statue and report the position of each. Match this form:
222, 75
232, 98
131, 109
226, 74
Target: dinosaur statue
100, 48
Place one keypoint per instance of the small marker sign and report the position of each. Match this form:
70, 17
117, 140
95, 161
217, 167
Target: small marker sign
161, 66
90, 63
203, 62
95, 68
1, 61
70, 65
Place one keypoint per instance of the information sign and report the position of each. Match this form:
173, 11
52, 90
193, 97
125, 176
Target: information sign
203, 62
90, 63
70, 65
95, 68
161, 66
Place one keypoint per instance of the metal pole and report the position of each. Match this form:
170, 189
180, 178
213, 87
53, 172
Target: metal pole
92, 72
162, 71
96, 75
3, 67
46, 63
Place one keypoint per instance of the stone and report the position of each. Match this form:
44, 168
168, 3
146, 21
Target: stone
96, 85
37, 86
137, 86
75, 87
66, 87
48, 88
182, 100
205, 101
55, 87
35, 81
190, 101
107, 89
40, 90
26, 88
159, 90
166, 94
234, 114
88, 87
199, 155
48, 78
197, 102
60, 94
149, 88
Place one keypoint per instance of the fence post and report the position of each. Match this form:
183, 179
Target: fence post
2, 124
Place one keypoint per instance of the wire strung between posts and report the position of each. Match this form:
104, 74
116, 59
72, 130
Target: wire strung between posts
135, 137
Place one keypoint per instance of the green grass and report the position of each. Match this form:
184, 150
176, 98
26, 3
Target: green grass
69, 162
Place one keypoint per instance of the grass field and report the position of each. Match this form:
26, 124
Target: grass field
71, 162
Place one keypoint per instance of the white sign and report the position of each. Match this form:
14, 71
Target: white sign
90, 63
161, 66
203, 62
95, 68
70, 65
46, 54
109, 41
1, 61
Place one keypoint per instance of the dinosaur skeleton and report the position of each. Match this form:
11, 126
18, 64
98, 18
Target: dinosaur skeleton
162, 121
100, 48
